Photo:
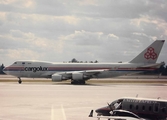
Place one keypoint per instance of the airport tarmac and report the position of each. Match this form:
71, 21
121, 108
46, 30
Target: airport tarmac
63, 101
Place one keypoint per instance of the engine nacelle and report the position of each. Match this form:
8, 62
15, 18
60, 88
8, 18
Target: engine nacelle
57, 78
77, 76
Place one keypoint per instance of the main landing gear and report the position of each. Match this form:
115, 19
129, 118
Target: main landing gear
78, 82
19, 81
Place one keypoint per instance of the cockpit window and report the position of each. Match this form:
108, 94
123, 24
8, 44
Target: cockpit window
23, 62
117, 104
15, 62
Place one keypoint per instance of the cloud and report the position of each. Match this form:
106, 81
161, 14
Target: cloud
83, 38
113, 36
107, 31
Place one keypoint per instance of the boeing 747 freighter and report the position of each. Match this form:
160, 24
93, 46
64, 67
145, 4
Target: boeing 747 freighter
81, 72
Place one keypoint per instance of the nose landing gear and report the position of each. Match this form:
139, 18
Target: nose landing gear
19, 81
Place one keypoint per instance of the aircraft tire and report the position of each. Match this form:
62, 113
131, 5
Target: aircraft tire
80, 82
19, 81
73, 82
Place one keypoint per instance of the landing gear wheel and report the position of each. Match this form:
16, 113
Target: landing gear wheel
19, 81
72, 82
80, 82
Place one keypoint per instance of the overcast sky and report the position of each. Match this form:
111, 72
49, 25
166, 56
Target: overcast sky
59, 30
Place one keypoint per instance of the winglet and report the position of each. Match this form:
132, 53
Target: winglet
91, 113
150, 54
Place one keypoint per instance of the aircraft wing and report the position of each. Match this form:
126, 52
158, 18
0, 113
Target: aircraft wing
75, 75
117, 116
85, 72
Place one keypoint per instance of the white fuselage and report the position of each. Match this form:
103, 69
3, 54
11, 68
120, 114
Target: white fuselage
38, 69
80, 72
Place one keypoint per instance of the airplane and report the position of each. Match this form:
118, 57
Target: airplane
81, 72
134, 108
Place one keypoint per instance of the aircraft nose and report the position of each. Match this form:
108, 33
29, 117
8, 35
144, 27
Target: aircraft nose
103, 111
5, 70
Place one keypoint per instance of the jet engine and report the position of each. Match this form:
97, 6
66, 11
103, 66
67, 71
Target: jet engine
77, 76
57, 78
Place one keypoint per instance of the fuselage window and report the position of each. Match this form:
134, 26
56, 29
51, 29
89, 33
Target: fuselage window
150, 108
131, 106
143, 108
137, 107
15, 62
156, 108
164, 110
23, 62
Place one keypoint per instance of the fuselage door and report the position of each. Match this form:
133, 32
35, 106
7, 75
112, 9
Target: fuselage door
22, 70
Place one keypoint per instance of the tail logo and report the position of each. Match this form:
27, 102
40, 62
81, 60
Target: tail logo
150, 54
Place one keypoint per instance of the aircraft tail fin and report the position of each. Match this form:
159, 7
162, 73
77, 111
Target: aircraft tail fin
150, 54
